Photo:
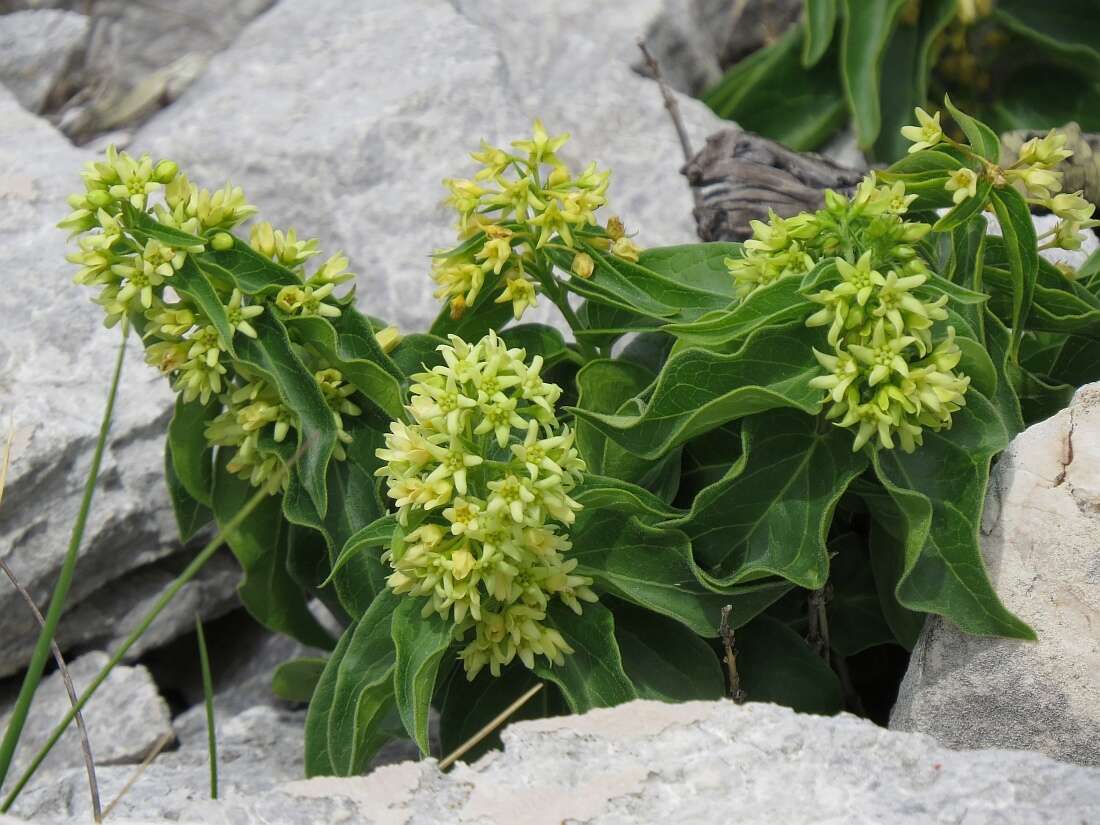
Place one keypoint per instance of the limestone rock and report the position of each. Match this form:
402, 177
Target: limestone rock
366, 107
36, 48
1039, 539
125, 718
699, 762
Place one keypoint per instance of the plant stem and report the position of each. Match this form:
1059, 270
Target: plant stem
64, 581
736, 693
169, 593
208, 696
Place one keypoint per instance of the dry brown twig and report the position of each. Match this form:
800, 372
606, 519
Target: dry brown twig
154, 752
495, 723
736, 693
82, 730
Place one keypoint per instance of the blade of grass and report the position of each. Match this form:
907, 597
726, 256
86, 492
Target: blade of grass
169, 593
208, 696
64, 581
493, 724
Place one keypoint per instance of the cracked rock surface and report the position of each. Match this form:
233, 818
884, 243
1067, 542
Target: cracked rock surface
645, 762
1041, 542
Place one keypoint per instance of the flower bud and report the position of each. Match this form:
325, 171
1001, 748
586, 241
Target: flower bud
222, 241
100, 198
165, 171
615, 228
388, 338
583, 265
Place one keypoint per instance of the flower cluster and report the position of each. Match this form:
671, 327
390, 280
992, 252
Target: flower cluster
481, 480
518, 202
124, 251
886, 375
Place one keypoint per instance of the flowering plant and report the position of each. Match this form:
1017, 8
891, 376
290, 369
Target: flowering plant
770, 455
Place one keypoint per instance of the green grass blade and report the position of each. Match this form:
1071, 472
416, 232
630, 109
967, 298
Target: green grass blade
169, 593
208, 696
64, 581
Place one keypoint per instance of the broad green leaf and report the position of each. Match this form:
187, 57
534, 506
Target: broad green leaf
604, 324
192, 457
417, 353
856, 622
982, 139
699, 265
191, 514
247, 270
376, 534
349, 345
318, 761
272, 354
420, 642
777, 303
708, 458
190, 281
260, 544
1021, 249
592, 676
1067, 28
770, 514
940, 492
146, 226
1048, 99
905, 73
653, 567
867, 27
665, 660
698, 390
887, 540
539, 340
820, 21
612, 494
467, 707
977, 364
296, 680
775, 664
771, 93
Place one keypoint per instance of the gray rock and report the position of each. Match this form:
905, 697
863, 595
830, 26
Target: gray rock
350, 148
1039, 539
700, 762
55, 366
125, 718
36, 48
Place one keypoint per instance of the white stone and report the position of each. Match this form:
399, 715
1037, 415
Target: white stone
1039, 540
36, 48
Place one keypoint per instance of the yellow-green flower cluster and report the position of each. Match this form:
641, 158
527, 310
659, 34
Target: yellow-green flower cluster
886, 377
516, 203
481, 479
135, 273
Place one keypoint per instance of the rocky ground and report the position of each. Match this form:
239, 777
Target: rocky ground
341, 118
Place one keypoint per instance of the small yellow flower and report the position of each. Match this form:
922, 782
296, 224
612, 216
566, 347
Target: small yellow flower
964, 183
626, 249
583, 265
927, 134
521, 292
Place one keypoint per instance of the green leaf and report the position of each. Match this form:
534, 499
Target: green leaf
345, 724
271, 353
420, 643
192, 457
1048, 99
906, 70
775, 664
296, 680
190, 281
418, 352
247, 270
777, 303
260, 544
820, 22
191, 514
1022, 251
699, 265
146, 226
349, 345
592, 676
613, 494
653, 567
376, 534
664, 660
1066, 28
940, 492
539, 340
698, 390
868, 25
983, 140
856, 621
771, 93
770, 514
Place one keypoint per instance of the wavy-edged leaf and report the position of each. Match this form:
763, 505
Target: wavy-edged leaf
592, 676
699, 265
418, 352
779, 302
192, 456
1021, 249
539, 340
770, 514
663, 659
820, 18
983, 140
376, 534
775, 664
866, 30
940, 491
653, 567
259, 542
420, 642
613, 494
296, 680
248, 270
698, 390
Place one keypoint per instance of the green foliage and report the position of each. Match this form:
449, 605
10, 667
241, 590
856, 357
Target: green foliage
790, 457
871, 63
